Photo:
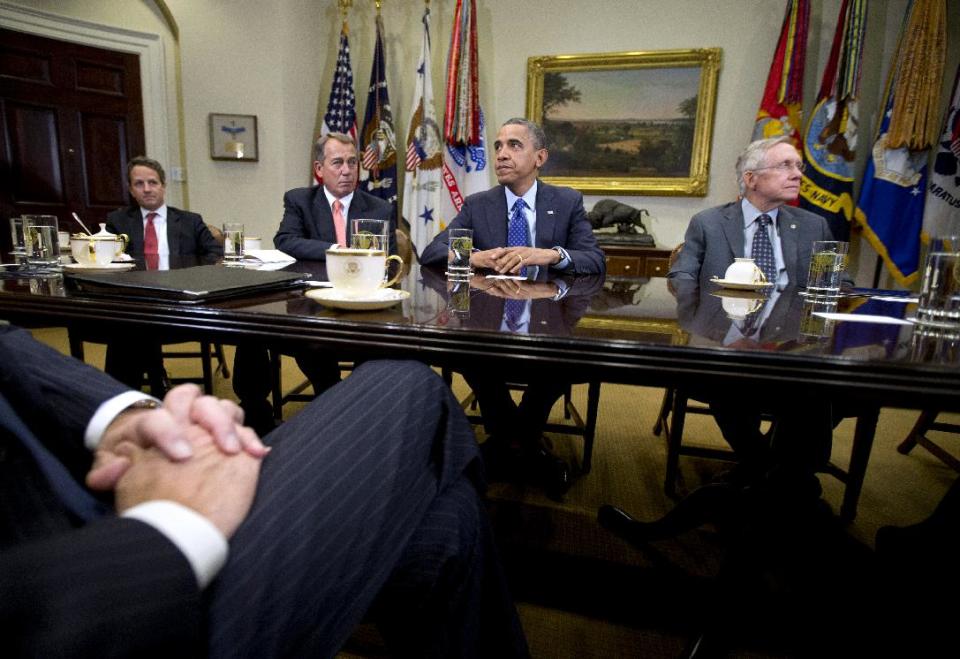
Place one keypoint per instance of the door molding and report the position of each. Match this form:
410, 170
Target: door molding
150, 48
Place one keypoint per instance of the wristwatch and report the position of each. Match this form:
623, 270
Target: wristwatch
142, 404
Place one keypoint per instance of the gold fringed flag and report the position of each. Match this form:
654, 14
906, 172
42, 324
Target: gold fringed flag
780, 108
830, 143
890, 208
464, 156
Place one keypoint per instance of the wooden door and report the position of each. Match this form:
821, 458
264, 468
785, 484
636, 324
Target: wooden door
70, 118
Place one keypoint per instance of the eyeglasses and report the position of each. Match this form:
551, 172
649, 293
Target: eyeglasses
785, 166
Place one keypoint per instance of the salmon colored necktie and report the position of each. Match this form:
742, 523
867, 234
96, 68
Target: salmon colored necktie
340, 223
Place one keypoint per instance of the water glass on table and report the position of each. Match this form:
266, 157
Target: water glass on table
828, 260
370, 234
458, 256
232, 241
16, 236
41, 240
939, 300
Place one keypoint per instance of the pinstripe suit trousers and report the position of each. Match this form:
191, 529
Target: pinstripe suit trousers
371, 488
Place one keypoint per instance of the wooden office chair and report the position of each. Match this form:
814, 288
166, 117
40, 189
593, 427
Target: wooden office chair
671, 417
579, 426
925, 423
279, 398
206, 354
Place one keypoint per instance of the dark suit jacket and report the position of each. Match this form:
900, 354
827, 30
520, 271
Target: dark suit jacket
306, 231
561, 222
187, 234
115, 586
715, 238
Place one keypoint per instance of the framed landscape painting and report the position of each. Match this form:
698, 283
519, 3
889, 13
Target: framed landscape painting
627, 123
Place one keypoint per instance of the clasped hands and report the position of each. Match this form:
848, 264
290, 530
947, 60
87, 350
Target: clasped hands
514, 289
194, 451
509, 260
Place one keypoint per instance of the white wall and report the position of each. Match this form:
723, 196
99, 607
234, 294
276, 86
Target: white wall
273, 59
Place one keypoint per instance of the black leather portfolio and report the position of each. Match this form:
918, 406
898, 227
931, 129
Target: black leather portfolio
203, 283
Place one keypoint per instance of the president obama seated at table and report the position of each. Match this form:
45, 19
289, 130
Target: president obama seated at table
519, 226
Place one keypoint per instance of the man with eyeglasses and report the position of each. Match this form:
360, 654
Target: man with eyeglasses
768, 173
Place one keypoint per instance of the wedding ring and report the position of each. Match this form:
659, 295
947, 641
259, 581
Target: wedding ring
521, 259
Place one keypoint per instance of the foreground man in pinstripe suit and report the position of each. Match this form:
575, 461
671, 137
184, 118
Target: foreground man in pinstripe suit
365, 504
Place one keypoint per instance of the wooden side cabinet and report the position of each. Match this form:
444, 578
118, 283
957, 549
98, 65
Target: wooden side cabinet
629, 261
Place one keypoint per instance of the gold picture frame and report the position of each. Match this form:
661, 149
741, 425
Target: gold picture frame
596, 97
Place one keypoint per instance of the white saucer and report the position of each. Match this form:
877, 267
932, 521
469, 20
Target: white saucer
740, 286
96, 267
335, 299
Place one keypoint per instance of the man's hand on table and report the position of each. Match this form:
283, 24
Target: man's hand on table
509, 260
513, 289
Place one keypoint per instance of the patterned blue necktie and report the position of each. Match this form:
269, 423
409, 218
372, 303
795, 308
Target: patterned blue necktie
763, 250
518, 235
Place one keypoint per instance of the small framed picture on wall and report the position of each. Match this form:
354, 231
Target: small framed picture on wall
233, 137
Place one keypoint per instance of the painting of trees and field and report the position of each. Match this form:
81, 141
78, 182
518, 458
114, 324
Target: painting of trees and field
622, 123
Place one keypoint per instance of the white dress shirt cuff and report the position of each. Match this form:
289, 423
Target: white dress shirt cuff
106, 413
201, 542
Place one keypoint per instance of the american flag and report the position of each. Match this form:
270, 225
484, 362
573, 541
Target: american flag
413, 157
341, 116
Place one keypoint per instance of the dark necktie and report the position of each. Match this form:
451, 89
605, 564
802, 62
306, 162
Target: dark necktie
763, 250
518, 234
151, 246
76, 499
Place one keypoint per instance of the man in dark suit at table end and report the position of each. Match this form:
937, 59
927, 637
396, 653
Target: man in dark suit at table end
156, 232
153, 227
520, 225
315, 219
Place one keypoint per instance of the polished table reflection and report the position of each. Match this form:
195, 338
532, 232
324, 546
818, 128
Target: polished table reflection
633, 332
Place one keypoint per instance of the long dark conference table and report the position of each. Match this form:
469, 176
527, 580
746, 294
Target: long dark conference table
633, 331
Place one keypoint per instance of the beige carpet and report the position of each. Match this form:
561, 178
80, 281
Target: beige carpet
628, 468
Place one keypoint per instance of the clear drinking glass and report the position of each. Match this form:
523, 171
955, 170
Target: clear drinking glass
370, 234
41, 239
939, 301
232, 241
16, 236
458, 257
828, 260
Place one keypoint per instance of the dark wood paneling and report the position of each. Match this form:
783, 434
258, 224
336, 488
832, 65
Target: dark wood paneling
72, 117
104, 140
34, 142
94, 77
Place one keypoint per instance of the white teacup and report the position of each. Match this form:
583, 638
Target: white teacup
360, 272
91, 250
252, 242
744, 271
